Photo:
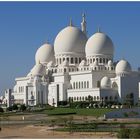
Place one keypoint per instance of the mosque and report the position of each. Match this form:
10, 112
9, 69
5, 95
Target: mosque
74, 68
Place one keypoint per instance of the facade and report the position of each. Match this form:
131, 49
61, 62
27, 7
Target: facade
75, 68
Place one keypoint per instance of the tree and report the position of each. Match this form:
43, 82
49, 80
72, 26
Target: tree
135, 133
129, 100
15, 107
123, 133
1, 109
23, 107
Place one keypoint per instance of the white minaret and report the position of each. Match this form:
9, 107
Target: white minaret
83, 24
70, 24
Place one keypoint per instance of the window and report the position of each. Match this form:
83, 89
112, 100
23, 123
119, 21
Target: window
98, 84
74, 98
94, 98
100, 60
83, 98
79, 85
90, 60
74, 85
64, 69
97, 59
68, 59
87, 84
84, 84
106, 98
98, 98
71, 60
77, 98
103, 60
79, 60
60, 60
76, 61
63, 59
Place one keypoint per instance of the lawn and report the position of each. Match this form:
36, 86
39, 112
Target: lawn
89, 112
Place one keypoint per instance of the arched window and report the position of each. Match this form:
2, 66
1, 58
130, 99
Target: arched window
80, 98
72, 60
77, 98
60, 60
103, 60
90, 60
76, 61
98, 98
74, 85
84, 84
87, 84
97, 59
110, 98
106, 60
63, 59
74, 98
100, 60
95, 68
93, 59
83, 98
79, 60
106, 98
79, 85
55, 70
67, 59
98, 84
94, 98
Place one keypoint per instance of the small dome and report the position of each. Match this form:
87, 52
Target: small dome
83, 63
38, 70
105, 82
123, 67
44, 54
110, 63
99, 44
69, 41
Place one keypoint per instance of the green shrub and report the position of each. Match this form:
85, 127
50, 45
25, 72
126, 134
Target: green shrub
124, 133
1, 109
135, 133
23, 107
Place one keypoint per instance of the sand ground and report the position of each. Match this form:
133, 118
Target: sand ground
32, 131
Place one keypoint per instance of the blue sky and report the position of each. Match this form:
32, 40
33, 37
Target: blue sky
25, 26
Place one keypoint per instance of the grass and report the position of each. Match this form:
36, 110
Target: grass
88, 112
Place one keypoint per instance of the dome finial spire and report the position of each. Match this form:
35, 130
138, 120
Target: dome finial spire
70, 22
98, 30
83, 24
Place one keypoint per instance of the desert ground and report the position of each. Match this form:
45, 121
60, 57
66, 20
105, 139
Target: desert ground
33, 131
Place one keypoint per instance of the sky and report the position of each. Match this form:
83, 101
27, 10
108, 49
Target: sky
25, 26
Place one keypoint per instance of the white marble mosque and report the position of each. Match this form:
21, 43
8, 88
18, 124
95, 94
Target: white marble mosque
74, 67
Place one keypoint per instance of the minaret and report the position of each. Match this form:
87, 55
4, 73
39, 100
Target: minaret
70, 24
83, 24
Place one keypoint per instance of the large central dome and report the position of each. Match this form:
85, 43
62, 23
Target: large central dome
99, 44
70, 40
